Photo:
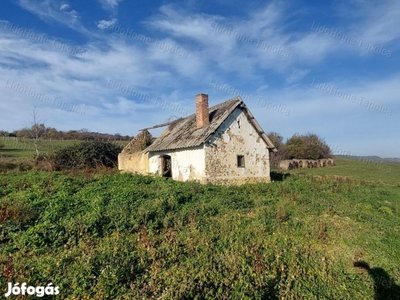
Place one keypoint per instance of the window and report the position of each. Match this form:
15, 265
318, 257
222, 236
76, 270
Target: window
240, 161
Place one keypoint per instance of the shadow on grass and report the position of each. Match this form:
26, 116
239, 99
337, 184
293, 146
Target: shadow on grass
270, 292
13, 150
384, 286
279, 176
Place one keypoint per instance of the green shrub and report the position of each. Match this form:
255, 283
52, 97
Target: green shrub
308, 146
91, 154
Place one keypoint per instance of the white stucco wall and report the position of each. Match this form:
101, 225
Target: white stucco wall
186, 164
216, 160
236, 136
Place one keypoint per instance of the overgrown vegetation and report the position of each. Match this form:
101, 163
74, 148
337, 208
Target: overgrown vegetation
308, 146
122, 236
104, 235
19, 155
92, 154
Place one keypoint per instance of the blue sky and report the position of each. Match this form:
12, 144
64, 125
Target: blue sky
116, 66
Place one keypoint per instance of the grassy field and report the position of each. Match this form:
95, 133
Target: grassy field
21, 148
24, 148
122, 236
358, 169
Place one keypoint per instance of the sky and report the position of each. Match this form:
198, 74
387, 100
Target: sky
116, 66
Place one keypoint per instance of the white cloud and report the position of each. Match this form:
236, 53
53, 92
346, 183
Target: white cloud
104, 24
64, 7
112, 7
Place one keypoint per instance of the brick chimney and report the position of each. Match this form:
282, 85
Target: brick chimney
202, 112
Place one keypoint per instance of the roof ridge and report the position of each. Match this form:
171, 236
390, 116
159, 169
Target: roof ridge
216, 106
225, 103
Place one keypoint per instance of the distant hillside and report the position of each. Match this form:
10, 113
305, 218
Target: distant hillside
372, 158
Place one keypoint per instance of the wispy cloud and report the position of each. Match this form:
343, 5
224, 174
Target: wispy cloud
375, 21
55, 11
64, 7
256, 42
255, 53
110, 4
81, 81
51, 10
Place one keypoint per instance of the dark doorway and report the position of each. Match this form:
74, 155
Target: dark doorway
166, 168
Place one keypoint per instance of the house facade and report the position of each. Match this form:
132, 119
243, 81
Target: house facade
222, 144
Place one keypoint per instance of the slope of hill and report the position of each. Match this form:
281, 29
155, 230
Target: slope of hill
371, 158
358, 169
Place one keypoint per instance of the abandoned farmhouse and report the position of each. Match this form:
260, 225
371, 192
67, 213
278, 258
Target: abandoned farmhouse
220, 144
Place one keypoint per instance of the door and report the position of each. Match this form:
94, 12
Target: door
166, 167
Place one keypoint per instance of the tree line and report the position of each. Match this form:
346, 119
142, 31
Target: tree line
307, 146
44, 132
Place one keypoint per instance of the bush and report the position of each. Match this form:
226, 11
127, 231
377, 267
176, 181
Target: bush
91, 154
308, 146
7, 164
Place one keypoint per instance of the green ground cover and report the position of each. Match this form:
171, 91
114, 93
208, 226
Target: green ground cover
122, 236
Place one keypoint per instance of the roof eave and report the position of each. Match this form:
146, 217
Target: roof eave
258, 128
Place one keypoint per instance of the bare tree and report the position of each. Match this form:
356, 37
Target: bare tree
37, 130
